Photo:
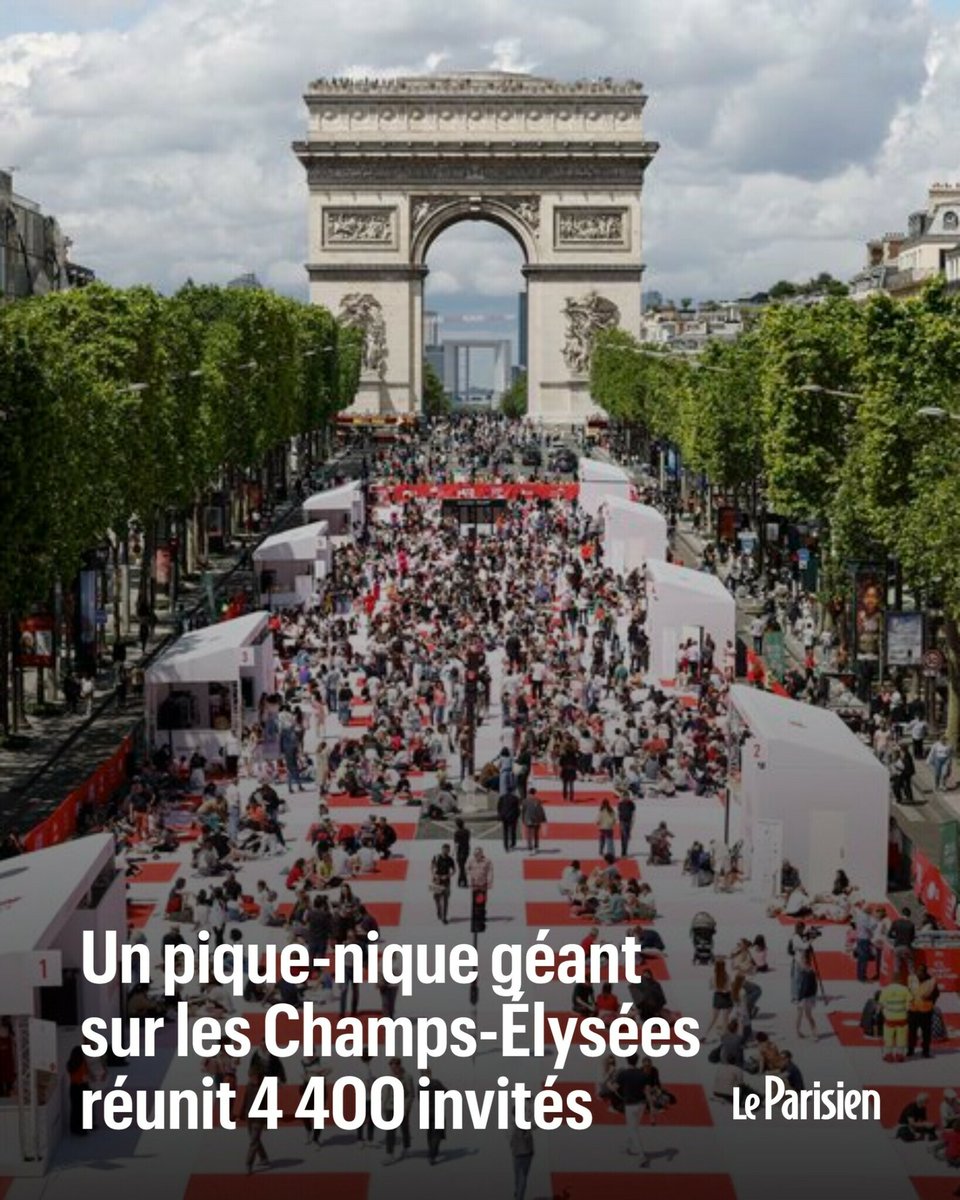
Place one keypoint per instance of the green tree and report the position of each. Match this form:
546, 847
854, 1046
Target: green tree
513, 403
806, 429
436, 402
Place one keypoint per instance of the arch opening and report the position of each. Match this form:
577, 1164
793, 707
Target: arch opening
474, 311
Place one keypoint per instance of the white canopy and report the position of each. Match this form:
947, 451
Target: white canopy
211, 654
303, 544
599, 481
40, 891
680, 604
809, 791
346, 499
632, 533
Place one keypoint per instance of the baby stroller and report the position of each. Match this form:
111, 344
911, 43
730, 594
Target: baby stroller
703, 929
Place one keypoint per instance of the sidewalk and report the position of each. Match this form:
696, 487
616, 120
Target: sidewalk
63, 749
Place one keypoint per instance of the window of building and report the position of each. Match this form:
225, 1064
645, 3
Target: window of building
951, 220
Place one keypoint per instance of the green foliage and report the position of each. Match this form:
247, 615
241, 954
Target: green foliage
806, 433
514, 401
221, 377
436, 402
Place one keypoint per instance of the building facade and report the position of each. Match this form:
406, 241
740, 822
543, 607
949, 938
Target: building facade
33, 250
899, 264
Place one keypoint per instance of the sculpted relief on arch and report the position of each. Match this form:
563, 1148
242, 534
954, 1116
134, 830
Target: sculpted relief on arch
586, 317
360, 310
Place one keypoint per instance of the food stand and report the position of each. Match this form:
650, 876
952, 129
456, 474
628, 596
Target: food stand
200, 690
292, 565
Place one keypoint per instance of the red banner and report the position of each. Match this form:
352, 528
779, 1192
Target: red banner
61, 825
397, 493
933, 891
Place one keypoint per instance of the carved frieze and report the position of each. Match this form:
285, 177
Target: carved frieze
401, 171
526, 207
585, 318
359, 227
590, 227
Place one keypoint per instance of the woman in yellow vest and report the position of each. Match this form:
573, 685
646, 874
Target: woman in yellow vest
894, 1001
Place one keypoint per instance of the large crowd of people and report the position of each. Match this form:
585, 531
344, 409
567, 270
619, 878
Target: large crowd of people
446, 662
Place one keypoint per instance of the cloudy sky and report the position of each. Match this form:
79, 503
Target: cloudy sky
791, 130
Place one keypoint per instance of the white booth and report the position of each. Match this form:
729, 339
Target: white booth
200, 689
684, 604
47, 899
599, 481
293, 564
341, 507
632, 534
804, 787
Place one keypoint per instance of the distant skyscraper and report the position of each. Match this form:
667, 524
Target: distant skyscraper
522, 330
431, 328
247, 281
652, 299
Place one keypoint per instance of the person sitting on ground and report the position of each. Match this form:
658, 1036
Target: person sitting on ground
913, 1124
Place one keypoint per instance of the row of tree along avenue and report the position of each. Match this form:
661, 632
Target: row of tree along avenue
124, 412
840, 417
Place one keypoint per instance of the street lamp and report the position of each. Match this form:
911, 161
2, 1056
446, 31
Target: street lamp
937, 413
817, 389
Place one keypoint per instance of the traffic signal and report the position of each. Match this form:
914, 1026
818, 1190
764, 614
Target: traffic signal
478, 912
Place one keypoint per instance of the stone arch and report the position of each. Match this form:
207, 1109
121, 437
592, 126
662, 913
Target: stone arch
459, 209
391, 163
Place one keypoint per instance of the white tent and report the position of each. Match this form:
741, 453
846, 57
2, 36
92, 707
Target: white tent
600, 480
809, 790
293, 563
684, 604
198, 690
632, 533
47, 899
341, 507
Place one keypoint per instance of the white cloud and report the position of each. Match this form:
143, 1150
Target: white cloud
790, 132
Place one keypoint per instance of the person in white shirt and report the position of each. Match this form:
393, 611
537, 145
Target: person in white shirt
569, 879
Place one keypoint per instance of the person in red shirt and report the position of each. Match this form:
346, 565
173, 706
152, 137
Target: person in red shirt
607, 1003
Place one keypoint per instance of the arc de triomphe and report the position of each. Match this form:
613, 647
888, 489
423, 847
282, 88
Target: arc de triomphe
392, 163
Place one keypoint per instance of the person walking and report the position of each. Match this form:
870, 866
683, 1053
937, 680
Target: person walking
568, 763
461, 843
480, 872
940, 760
398, 1071
924, 993
606, 820
443, 868
918, 732
434, 1127
630, 1085
865, 927
522, 1148
806, 985
86, 694
256, 1152
534, 817
289, 749
508, 812
626, 812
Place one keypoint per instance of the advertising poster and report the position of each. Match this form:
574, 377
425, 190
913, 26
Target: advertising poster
36, 642
868, 613
904, 639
